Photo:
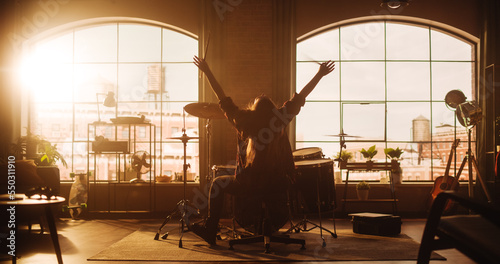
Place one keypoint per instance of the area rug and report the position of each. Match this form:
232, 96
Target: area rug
348, 246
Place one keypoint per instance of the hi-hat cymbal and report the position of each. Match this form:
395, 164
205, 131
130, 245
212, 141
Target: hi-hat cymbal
205, 110
185, 137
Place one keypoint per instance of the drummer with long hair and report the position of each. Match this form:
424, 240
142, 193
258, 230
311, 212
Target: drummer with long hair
265, 160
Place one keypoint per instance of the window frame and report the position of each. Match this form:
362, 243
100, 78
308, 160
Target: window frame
430, 26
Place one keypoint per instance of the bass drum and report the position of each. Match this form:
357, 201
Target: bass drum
315, 178
250, 210
307, 154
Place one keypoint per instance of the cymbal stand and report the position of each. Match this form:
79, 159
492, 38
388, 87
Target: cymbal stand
210, 175
342, 145
182, 205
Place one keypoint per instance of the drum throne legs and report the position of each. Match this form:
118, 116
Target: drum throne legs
266, 232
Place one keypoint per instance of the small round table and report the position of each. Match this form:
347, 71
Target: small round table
31, 204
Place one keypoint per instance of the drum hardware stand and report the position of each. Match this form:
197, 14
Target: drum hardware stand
302, 224
182, 205
208, 127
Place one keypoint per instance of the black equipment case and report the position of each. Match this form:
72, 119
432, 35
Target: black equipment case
376, 224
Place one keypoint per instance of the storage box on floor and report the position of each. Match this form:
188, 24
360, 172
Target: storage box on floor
376, 224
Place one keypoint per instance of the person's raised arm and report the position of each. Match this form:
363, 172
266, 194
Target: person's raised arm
324, 69
203, 66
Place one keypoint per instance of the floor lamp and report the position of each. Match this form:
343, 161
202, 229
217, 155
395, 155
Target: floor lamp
468, 114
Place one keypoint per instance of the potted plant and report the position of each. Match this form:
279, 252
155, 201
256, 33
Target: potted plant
344, 157
49, 155
395, 155
38, 149
362, 189
369, 153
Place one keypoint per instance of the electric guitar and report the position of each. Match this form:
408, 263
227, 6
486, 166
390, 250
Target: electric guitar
445, 182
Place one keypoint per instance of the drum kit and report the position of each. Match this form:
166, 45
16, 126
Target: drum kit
314, 180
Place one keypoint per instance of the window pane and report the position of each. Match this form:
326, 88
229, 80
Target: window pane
79, 161
149, 110
315, 115
408, 121
91, 79
178, 47
407, 42
86, 114
52, 82
327, 88
56, 50
324, 46
139, 43
447, 76
96, 44
446, 47
181, 82
362, 80
48, 72
408, 81
139, 82
442, 115
364, 120
54, 121
362, 41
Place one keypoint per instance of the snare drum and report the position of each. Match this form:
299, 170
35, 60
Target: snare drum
225, 170
316, 185
308, 154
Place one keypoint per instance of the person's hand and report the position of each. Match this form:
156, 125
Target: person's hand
201, 64
326, 67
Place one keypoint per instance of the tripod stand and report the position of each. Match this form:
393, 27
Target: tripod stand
471, 160
182, 205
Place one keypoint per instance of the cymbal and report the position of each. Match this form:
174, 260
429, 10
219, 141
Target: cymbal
184, 138
205, 110
342, 135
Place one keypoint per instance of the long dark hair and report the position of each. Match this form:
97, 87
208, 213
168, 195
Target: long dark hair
264, 109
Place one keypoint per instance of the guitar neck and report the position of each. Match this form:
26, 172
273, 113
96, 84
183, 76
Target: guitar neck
448, 165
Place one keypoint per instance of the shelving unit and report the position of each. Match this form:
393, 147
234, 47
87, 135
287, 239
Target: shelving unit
121, 140
370, 167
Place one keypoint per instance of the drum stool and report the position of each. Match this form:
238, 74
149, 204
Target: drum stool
266, 226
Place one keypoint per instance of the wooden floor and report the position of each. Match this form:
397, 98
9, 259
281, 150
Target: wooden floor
82, 239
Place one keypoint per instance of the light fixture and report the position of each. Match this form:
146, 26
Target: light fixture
454, 98
395, 4
109, 101
469, 114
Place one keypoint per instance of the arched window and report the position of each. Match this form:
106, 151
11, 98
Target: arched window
388, 90
149, 69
